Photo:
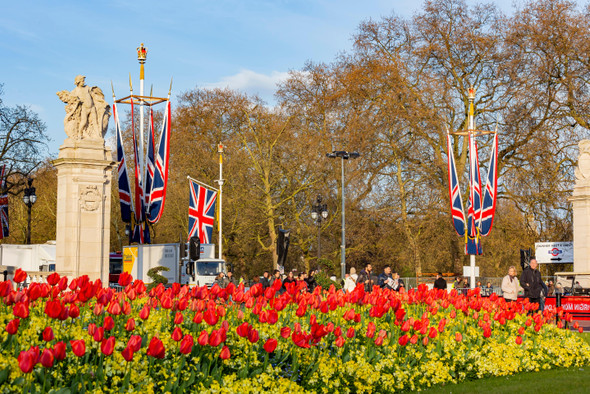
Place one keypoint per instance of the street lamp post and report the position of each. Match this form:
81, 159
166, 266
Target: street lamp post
343, 155
29, 199
319, 212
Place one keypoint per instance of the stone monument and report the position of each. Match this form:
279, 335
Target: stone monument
84, 175
581, 207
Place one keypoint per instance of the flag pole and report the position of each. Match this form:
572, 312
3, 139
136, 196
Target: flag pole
220, 183
471, 97
141, 57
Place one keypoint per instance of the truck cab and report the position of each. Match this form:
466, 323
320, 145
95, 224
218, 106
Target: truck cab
206, 270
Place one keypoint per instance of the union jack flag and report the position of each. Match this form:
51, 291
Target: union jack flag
201, 212
141, 234
160, 173
489, 197
457, 211
149, 164
124, 190
139, 199
473, 245
4, 228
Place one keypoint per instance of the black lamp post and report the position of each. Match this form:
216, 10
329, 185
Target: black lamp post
344, 155
319, 212
29, 199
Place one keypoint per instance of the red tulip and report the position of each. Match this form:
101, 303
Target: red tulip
47, 334
432, 333
124, 279
253, 335
144, 313
98, 334
59, 351
12, 326
270, 345
425, 341
127, 353
186, 345
47, 358
109, 323
350, 332
285, 332
521, 331
176, 334
114, 308
203, 338
580, 329
198, 317
406, 326
78, 347
339, 341
487, 332
242, 329
134, 343
53, 279
414, 339
371, 330
225, 354
27, 360
518, 340
20, 309
211, 317
215, 338
338, 331
19, 276
179, 318
403, 340
458, 337
107, 346
130, 325
74, 311
53, 309
379, 341
156, 348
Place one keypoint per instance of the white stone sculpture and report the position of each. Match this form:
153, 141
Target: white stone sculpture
87, 112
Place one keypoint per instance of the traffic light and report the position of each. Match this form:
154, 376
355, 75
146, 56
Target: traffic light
194, 248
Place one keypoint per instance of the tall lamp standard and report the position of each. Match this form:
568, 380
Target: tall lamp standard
319, 212
29, 199
343, 155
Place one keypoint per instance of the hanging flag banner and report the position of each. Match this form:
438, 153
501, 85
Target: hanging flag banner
160, 177
4, 225
149, 164
457, 211
473, 245
201, 212
125, 201
150, 160
489, 197
481, 204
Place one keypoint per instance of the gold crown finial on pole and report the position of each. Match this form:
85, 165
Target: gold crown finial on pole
141, 53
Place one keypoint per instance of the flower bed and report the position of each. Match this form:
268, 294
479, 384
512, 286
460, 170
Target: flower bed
79, 336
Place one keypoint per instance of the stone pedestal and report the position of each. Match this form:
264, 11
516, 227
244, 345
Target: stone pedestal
581, 208
83, 208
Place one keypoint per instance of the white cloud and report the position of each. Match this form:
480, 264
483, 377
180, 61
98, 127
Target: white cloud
252, 82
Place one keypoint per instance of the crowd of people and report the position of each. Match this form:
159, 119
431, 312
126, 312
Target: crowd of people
530, 283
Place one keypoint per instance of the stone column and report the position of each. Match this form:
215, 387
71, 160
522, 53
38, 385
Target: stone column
83, 208
581, 207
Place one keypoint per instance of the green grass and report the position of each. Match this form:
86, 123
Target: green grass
566, 380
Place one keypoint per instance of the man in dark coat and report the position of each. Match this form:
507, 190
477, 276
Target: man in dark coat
531, 282
385, 280
440, 283
365, 277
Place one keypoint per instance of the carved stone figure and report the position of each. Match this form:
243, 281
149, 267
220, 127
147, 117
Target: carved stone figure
87, 113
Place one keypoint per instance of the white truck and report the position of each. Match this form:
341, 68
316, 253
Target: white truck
139, 259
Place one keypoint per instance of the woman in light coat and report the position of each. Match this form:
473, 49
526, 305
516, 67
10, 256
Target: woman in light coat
511, 285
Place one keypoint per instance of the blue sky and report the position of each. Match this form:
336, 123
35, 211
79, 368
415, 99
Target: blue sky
247, 45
